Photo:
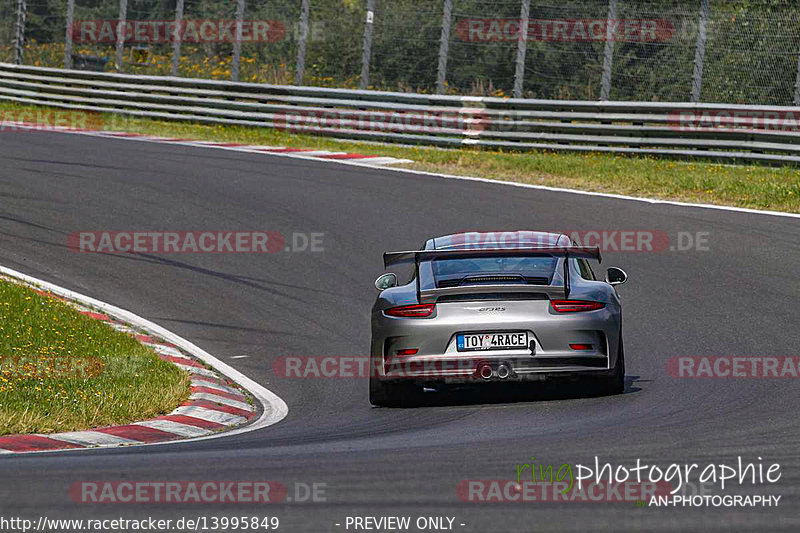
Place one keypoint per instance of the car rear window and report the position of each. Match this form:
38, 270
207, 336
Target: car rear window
494, 270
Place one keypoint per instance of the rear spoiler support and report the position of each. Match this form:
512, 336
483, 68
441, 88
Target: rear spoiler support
395, 258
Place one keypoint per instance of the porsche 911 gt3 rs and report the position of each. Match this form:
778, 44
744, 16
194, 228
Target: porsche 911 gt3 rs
525, 306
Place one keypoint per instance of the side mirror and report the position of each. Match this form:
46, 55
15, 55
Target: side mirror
387, 281
616, 276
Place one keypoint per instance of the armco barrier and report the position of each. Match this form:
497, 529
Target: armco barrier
764, 134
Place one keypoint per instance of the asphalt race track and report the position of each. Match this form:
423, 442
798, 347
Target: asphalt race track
739, 297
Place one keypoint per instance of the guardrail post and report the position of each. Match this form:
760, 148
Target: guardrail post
123, 16
301, 44
700, 51
522, 47
19, 30
68, 36
237, 43
797, 84
367, 52
444, 46
177, 37
608, 52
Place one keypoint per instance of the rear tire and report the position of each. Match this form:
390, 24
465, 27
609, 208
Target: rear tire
390, 394
615, 383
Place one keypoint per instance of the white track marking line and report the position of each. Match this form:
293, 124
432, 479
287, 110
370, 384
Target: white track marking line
91, 438
209, 415
274, 408
184, 430
221, 400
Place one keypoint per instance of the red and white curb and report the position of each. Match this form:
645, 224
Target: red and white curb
299, 153
221, 397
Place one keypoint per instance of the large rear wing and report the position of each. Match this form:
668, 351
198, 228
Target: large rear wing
416, 257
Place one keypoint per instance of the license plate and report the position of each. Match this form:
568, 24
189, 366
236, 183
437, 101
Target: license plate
491, 341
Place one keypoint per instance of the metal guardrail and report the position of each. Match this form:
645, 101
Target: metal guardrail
715, 131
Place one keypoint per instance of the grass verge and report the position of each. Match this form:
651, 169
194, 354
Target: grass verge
62, 371
751, 186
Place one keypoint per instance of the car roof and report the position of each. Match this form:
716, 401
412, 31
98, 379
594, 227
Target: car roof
497, 239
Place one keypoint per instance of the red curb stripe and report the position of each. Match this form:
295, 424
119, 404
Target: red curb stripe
140, 433
224, 394
213, 380
96, 316
153, 340
32, 443
347, 156
170, 140
180, 361
191, 421
208, 404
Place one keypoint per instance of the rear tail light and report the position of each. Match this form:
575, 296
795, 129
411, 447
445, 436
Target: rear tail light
407, 351
412, 311
575, 306
577, 346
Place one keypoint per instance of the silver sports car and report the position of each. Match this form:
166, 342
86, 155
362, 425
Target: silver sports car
495, 307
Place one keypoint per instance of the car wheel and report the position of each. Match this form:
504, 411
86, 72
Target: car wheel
390, 394
615, 382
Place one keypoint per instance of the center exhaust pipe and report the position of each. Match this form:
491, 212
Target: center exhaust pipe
503, 371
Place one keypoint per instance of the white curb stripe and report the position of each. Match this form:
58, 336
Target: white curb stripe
166, 350
221, 400
91, 438
123, 328
372, 161
184, 430
318, 153
209, 415
195, 370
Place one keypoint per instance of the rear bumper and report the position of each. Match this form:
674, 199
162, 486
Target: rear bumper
481, 368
